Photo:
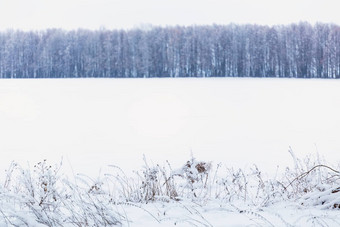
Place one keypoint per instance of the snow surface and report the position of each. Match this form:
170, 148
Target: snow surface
92, 123
222, 215
95, 122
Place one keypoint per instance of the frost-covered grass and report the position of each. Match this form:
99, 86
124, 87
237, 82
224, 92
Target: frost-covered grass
198, 193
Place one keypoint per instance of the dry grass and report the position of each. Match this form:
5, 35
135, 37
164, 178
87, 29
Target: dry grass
42, 195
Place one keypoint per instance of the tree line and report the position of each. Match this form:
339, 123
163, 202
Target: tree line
297, 50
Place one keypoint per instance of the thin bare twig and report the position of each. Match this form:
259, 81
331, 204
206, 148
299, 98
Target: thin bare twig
309, 171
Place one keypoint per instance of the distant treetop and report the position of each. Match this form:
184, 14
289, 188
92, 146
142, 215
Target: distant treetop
297, 50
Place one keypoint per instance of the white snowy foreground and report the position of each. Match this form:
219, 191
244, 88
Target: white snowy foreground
224, 215
214, 215
197, 194
94, 125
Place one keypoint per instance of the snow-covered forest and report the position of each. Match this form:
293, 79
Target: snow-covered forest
296, 50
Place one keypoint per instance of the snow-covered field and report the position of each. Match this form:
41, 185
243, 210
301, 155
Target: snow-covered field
95, 122
92, 123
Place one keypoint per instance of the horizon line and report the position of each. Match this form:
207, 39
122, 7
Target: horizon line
150, 26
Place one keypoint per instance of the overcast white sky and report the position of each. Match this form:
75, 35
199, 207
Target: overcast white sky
93, 14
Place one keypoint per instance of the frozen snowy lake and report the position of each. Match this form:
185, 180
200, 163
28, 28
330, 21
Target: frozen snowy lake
95, 122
